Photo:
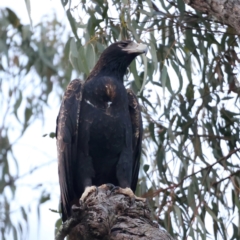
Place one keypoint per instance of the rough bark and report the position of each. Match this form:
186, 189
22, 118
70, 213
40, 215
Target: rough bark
111, 217
225, 11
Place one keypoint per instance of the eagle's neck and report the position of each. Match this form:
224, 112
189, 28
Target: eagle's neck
112, 67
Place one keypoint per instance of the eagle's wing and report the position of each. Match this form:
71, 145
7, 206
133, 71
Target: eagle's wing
67, 138
137, 131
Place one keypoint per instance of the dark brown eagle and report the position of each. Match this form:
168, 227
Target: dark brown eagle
99, 128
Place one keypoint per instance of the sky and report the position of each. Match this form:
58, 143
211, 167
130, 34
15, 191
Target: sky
41, 151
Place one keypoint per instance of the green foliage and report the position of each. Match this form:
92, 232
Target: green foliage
30, 63
190, 105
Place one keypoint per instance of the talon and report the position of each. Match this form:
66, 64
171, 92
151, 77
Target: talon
115, 189
87, 192
107, 186
128, 192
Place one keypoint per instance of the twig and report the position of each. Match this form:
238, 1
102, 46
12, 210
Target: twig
66, 227
223, 179
12, 180
155, 193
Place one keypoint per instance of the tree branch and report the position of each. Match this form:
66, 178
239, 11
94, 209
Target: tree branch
113, 217
228, 177
225, 11
190, 175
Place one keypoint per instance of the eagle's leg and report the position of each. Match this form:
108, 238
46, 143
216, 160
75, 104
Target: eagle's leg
128, 192
124, 166
85, 172
124, 173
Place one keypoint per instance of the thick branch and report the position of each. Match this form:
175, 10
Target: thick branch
113, 217
225, 11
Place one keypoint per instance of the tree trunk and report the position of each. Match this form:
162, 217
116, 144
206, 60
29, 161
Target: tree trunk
111, 216
225, 11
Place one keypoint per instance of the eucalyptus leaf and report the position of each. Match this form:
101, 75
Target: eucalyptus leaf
145, 74
28, 6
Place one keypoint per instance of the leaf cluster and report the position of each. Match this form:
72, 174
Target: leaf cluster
31, 64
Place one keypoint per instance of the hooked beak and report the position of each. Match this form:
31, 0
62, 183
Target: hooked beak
136, 48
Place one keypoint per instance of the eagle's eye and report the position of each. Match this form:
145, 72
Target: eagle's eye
124, 44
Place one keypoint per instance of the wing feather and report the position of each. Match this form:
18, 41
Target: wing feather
137, 131
67, 138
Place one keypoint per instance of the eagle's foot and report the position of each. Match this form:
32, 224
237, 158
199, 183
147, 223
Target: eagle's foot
87, 192
107, 187
128, 192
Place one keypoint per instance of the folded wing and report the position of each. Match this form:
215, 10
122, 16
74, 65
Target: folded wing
137, 131
67, 139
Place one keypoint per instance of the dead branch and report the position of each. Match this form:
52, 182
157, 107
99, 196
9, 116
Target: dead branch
111, 216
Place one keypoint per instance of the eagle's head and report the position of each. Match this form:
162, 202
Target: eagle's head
117, 57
